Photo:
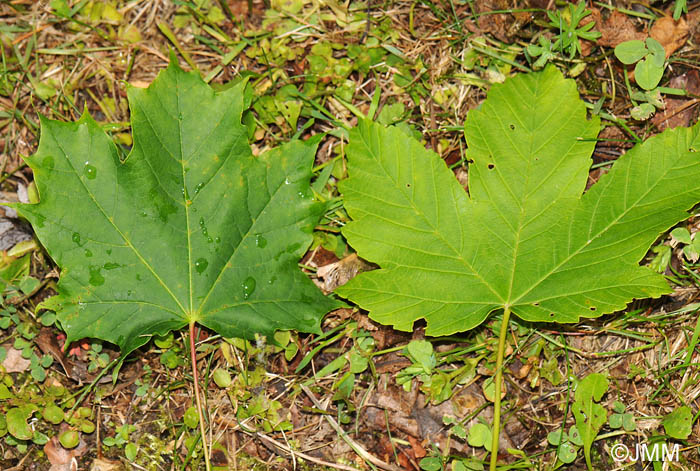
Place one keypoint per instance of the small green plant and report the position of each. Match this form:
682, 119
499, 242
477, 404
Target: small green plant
480, 435
568, 443
456, 428
589, 414
661, 259
690, 243
433, 462
621, 419
97, 358
435, 381
680, 238
120, 437
649, 57
678, 424
568, 23
15, 284
41, 404
679, 7
544, 51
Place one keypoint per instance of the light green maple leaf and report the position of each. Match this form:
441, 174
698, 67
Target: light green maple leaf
526, 237
191, 227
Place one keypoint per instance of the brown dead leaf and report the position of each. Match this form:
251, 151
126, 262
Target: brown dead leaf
418, 450
680, 111
693, 19
106, 465
614, 29
503, 26
62, 459
670, 33
338, 273
48, 343
13, 362
403, 461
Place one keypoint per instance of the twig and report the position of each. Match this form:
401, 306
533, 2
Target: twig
680, 109
20, 465
353, 444
301, 455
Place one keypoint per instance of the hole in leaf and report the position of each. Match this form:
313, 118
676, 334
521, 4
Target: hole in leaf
408, 185
535, 304
512, 126
551, 314
491, 166
592, 308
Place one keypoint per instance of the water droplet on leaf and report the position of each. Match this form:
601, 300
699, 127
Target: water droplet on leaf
248, 287
96, 278
260, 241
90, 171
88, 253
200, 265
76, 238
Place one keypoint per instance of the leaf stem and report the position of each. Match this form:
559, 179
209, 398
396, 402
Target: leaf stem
497, 389
200, 410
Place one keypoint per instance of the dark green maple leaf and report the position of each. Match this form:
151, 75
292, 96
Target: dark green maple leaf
526, 238
191, 227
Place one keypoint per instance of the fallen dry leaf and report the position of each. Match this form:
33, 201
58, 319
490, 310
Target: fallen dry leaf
615, 29
418, 450
693, 19
503, 26
48, 343
13, 362
670, 33
62, 459
338, 273
106, 465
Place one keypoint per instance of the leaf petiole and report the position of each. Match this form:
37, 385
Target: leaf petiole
200, 410
497, 388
